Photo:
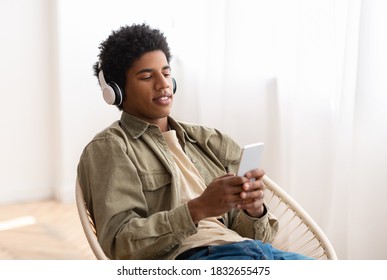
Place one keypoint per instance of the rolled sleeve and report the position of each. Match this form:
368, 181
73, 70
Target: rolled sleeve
264, 228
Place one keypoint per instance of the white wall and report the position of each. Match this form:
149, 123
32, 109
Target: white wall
27, 115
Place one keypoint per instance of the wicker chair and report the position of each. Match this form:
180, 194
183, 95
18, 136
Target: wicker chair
88, 224
298, 232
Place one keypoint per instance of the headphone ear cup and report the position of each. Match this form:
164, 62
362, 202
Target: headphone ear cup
174, 85
109, 95
117, 93
111, 92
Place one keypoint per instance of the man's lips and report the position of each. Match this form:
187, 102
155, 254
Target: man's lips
164, 99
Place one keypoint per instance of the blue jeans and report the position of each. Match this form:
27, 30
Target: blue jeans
244, 250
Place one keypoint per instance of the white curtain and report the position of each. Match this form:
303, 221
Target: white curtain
308, 78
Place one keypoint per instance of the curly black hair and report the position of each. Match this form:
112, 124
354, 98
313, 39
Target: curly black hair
123, 47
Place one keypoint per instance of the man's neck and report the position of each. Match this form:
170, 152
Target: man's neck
164, 125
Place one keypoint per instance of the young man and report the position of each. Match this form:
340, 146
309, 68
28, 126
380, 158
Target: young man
158, 188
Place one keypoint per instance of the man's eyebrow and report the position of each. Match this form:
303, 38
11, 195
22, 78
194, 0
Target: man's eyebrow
149, 70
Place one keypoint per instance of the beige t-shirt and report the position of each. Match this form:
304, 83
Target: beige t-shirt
210, 231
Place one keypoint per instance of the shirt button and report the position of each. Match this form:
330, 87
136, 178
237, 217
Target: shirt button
193, 160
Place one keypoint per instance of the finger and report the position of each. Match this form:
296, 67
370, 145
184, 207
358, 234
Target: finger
226, 191
258, 194
256, 174
225, 176
250, 205
233, 180
252, 186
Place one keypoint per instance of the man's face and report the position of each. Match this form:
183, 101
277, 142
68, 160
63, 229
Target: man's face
149, 88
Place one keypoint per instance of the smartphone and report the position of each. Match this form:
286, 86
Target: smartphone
250, 158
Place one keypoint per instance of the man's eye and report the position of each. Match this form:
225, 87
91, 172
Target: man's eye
145, 78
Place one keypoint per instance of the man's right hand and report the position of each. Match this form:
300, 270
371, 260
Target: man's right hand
219, 197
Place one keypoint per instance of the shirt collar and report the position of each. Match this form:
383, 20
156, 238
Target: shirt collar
137, 127
180, 131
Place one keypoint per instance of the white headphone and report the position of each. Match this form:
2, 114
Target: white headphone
111, 92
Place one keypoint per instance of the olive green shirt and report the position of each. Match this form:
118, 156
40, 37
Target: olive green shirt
130, 184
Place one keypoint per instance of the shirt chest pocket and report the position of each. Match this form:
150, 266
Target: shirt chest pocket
156, 186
